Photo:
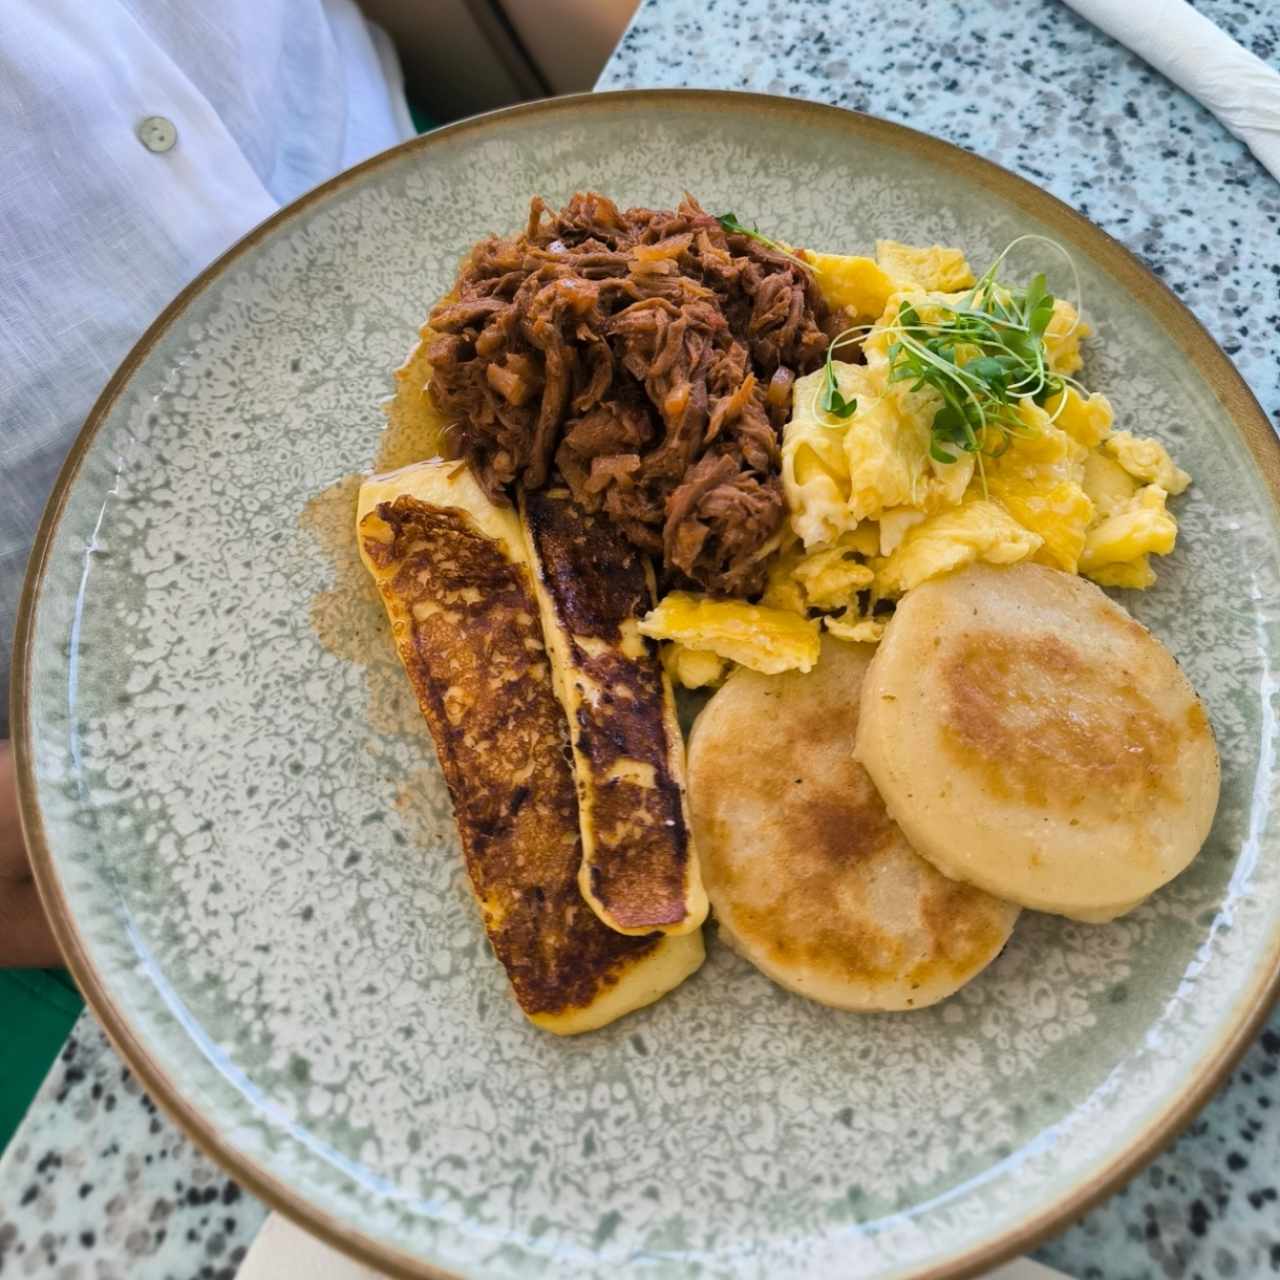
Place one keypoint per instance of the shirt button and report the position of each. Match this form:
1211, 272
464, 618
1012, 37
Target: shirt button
157, 134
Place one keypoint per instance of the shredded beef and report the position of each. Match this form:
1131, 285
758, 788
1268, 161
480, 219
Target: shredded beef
646, 357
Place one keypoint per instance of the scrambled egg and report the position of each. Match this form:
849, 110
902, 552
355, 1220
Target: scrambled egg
856, 285
693, 668
831, 577
835, 477
935, 267
848, 626
863, 286
768, 640
873, 514
1038, 481
1087, 422
1062, 338
1147, 460
977, 529
705, 635
1108, 485
1141, 527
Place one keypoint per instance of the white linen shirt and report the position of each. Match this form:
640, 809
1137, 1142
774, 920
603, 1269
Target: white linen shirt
99, 229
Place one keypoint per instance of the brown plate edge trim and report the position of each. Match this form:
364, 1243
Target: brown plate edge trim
1191, 337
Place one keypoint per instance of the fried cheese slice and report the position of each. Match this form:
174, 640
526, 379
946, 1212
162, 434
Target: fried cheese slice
453, 573
639, 869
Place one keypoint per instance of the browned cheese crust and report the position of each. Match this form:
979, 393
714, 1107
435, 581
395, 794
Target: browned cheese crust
639, 846
471, 644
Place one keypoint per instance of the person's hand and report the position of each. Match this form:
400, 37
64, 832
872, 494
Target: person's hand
25, 939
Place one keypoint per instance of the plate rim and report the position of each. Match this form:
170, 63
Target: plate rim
1192, 338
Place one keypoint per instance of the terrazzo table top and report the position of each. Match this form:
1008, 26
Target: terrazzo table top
98, 1186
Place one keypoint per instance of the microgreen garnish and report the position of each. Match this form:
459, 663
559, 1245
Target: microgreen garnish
983, 355
729, 222
829, 399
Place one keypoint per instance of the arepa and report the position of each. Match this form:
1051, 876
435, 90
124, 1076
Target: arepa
1033, 739
808, 876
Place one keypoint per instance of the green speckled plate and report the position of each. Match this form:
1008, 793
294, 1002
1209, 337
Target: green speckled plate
240, 832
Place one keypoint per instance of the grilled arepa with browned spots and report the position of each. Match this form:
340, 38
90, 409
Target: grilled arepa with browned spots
808, 876
639, 870
453, 572
1034, 740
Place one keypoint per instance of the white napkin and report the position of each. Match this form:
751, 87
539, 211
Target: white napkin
1025, 1269
281, 1251
1236, 85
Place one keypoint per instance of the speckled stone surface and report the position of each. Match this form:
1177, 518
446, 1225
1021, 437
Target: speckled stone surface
97, 1185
